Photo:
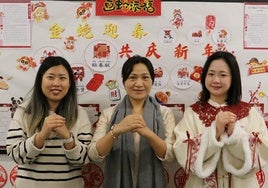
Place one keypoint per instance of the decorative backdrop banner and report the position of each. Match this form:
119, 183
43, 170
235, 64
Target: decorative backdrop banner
128, 8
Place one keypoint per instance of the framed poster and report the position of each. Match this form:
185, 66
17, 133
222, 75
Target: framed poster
5, 118
15, 24
255, 27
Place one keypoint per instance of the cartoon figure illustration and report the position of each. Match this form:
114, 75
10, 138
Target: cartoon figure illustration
158, 72
39, 12
47, 54
177, 20
3, 84
183, 72
222, 40
222, 34
14, 104
24, 63
83, 11
69, 43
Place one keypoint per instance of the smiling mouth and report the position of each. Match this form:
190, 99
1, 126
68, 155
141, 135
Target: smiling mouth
55, 91
139, 91
216, 87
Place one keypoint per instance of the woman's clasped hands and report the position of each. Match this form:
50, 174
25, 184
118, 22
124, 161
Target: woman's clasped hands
225, 122
55, 123
133, 123
52, 123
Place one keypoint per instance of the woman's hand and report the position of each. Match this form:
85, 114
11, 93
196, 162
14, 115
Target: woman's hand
136, 123
225, 122
52, 123
129, 123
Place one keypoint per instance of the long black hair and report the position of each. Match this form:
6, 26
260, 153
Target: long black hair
235, 90
38, 107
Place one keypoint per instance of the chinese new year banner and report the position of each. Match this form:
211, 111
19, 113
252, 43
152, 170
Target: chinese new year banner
128, 8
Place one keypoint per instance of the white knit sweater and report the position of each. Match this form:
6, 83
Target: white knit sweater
51, 166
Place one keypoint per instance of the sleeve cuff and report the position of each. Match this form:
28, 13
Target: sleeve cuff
93, 153
202, 169
238, 133
33, 151
239, 136
212, 134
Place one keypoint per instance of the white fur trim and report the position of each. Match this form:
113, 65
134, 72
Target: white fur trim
237, 133
212, 134
242, 136
224, 137
209, 135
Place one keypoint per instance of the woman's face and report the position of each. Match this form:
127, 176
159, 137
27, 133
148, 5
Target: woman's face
55, 85
138, 84
218, 80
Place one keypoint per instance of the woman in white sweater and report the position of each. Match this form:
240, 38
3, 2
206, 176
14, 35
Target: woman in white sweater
49, 134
